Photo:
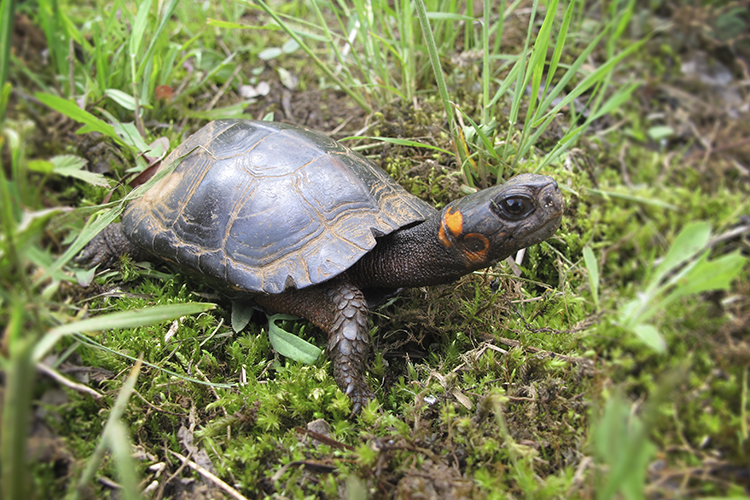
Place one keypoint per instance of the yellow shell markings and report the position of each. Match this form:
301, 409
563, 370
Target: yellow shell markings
292, 263
454, 220
162, 188
238, 206
203, 168
317, 243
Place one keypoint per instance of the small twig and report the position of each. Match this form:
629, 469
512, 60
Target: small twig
208, 475
623, 165
731, 234
163, 485
67, 382
341, 125
325, 439
156, 408
223, 88
109, 483
536, 350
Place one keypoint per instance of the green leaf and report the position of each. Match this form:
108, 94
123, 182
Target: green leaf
72, 166
242, 312
689, 242
289, 345
129, 133
270, 53
139, 27
592, 267
127, 101
71, 110
125, 319
660, 132
708, 275
289, 46
41, 166
650, 336
620, 442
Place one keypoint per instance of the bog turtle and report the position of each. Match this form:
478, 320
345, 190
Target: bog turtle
298, 223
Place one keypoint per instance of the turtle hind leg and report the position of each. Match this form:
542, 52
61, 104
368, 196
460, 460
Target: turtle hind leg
340, 309
107, 247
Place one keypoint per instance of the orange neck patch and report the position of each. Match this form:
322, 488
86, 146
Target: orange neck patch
454, 222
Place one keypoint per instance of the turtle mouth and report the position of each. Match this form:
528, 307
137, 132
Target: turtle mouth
546, 230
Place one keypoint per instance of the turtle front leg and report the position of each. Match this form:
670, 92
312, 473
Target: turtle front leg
107, 247
340, 309
348, 343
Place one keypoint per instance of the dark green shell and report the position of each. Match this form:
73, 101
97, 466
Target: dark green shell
267, 206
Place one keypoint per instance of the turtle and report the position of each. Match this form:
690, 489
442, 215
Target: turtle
295, 222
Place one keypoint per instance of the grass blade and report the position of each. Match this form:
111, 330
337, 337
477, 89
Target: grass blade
438, 71
118, 441
7, 8
394, 140
110, 427
96, 345
150, 50
126, 319
16, 416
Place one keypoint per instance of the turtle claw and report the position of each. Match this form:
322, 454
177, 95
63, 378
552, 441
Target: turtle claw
92, 255
360, 398
106, 247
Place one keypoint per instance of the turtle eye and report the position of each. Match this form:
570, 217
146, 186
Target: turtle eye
513, 208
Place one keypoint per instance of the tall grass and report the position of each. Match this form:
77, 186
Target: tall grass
382, 53
7, 9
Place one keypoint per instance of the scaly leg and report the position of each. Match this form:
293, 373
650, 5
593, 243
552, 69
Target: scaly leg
107, 246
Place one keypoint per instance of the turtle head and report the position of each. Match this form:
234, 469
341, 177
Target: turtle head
497, 222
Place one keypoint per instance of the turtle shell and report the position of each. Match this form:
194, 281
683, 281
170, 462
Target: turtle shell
266, 207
